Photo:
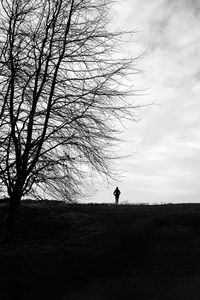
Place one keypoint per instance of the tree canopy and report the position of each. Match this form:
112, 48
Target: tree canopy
62, 87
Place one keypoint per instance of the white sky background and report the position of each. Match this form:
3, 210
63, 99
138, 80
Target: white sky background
166, 142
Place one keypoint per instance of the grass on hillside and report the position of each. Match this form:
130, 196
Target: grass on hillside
102, 252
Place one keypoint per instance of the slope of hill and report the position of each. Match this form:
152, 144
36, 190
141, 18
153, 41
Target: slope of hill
102, 252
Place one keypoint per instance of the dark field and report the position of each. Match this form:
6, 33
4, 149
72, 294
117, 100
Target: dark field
102, 252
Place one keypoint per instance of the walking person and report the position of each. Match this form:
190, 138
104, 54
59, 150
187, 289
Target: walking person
116, 193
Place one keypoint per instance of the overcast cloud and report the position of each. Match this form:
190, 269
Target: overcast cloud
166, 167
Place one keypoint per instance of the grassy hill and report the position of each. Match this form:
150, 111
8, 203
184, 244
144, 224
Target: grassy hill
101, 252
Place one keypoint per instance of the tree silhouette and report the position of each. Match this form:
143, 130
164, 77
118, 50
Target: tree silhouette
61, 89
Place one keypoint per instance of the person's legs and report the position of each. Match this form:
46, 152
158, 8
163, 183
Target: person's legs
116, 199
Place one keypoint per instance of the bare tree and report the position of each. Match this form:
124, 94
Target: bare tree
61, 90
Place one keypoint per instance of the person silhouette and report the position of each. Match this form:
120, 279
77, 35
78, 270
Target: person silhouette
116, 193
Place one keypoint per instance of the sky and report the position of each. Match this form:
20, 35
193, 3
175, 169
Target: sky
165, 145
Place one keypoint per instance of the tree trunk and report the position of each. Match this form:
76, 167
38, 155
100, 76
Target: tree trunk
11, 219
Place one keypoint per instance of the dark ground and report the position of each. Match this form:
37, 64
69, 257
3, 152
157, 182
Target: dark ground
102, 252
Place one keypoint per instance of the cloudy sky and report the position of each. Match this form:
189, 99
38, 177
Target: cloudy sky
165, 166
